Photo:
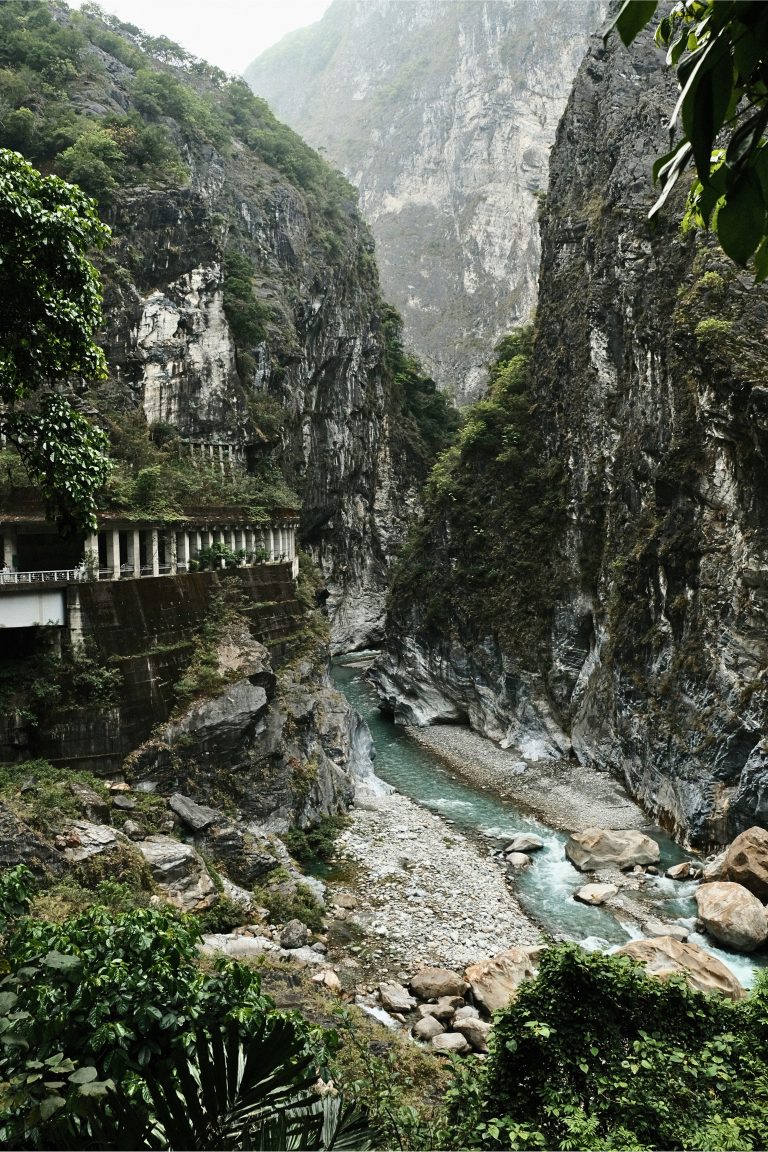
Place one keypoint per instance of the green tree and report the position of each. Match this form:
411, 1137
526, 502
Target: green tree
50, 310
719, 48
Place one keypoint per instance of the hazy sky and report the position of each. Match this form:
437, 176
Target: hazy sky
229, 33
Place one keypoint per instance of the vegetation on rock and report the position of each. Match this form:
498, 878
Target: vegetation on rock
478, 562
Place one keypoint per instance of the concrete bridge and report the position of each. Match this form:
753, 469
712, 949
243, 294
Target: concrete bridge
33, 593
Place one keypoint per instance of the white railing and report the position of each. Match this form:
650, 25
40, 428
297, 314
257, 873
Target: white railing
81, 573
51, 576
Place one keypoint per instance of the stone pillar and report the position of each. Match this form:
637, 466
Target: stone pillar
171, 554
9, 548
113, 552
92, 554
270, 543
134, 551
197, 542
232, 539
182, 551
155, 552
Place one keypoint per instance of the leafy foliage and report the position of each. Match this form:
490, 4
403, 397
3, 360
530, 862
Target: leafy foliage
50, 309
492, 504
594, 1054
718, 48
111, 1033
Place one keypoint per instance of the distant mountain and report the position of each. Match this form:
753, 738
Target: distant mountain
442, 113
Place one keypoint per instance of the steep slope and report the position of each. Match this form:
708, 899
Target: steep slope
442, 113
638, 638
241, 292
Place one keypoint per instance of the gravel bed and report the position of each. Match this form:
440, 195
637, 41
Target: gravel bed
564, 794
426, 895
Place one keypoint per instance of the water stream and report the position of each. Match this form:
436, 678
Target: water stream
546, 889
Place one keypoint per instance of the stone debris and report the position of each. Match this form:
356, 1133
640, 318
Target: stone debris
421, 883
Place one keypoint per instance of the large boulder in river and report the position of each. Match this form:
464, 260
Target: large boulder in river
746, 862
732, 915
495, 982
395, 998
605, 848
432, 983
664, 957
595, 893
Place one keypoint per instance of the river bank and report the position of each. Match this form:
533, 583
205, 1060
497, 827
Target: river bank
564, 794
424, 892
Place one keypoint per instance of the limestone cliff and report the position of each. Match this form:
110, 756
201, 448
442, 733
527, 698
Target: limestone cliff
649, 385
442, 113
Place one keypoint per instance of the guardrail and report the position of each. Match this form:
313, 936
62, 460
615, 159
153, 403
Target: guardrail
9, 578
51, 576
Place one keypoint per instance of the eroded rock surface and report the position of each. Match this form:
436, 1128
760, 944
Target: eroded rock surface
665, 956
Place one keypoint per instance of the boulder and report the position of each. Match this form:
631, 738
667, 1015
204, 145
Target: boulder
595, 893
444, 1009
88, 840
237, 894
133, 830
427, 1028
468, 1012
495, 982
344, 900
732, 915
680, 871
451, 1042
524, 842
746, 862
431, 983
180, 872
294, 935
395, 998
123, 803
474, 1031
195, 816
605, 848
329, 979
245, 859
94, 806
516, 861
714, 869
665, 957
20, 845
654, 927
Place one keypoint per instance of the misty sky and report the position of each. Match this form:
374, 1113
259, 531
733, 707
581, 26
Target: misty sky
229, 33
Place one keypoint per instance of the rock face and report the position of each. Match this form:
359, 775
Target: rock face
665, 957
180, 873
442, 113
602, 848
650, 391
732, 915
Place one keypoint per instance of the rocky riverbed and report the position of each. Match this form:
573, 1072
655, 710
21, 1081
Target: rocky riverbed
563, 793
424, 892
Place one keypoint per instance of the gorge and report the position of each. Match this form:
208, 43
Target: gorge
558, 595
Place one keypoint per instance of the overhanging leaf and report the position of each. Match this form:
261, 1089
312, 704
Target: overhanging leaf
741, 219
631, 19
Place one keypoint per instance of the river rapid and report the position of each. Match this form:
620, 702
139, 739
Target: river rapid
480, 815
